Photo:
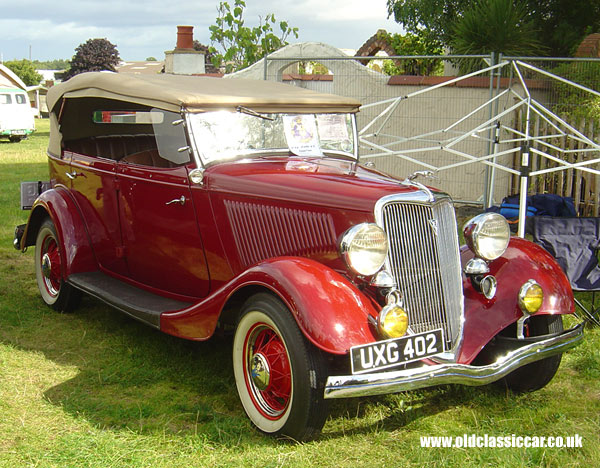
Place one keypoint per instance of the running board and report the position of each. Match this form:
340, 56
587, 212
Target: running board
135, 302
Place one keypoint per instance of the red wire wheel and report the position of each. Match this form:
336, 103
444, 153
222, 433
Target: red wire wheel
279, 375
48, 270
267, 371
50, 264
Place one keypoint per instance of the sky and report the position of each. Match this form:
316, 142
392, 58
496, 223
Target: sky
46, 30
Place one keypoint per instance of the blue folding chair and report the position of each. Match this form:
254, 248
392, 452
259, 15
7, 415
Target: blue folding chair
574, 242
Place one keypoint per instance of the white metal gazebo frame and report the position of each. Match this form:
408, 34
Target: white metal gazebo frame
524, 142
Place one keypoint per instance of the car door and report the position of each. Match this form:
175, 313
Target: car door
162, 242
93, 186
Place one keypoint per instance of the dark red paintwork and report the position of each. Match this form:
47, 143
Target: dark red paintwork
330, 310
76, 253
191, 251
162, 243
523, 260
94, 190
330, 183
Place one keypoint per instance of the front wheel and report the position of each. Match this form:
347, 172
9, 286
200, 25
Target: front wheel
278, 373
48, 272
539, 373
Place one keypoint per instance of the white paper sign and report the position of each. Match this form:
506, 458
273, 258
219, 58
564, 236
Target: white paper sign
301, 135
332, 127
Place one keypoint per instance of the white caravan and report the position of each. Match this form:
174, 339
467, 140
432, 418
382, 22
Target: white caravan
16, 116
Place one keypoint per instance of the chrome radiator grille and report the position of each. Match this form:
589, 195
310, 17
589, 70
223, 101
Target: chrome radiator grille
424, 260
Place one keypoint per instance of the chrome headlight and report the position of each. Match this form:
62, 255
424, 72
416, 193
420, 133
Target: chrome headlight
487, 235
364, 247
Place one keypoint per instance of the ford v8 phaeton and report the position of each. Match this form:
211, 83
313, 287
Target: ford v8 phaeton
195, 203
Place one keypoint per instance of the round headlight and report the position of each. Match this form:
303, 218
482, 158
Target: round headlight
364, 248
531, 297
487, 235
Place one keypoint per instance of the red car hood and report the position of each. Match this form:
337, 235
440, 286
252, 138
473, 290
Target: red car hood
327, 182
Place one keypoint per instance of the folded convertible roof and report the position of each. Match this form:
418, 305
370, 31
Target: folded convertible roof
199, 93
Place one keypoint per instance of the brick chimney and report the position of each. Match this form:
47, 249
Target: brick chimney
184, 60
185, 37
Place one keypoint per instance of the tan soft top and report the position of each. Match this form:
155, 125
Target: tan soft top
198, 93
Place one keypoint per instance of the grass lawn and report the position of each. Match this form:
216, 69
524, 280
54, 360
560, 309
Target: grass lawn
97, 389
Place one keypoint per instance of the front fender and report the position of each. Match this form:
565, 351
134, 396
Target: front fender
75, 247
330, 310
523, 260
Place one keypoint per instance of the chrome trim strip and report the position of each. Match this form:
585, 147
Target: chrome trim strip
345, 386
191, 139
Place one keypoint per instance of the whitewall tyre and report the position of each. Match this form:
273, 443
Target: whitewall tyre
278, 373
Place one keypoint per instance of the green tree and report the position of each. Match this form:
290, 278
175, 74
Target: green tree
572, 102
501, 26
431, 18
561, 24
413, 44
240, 45
25, 70
94, 55
57, 64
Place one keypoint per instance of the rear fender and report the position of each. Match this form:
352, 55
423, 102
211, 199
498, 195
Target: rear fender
75, 246
329, 309
523, 260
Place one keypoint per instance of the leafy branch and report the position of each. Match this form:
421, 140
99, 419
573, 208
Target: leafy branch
236, 46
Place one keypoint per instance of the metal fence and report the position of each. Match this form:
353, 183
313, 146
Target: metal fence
471, 119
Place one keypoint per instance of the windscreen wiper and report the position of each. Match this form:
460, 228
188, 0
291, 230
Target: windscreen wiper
253, 113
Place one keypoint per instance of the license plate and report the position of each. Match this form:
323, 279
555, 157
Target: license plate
389, 353
17, 132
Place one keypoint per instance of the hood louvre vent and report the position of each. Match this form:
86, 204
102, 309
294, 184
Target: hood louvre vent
263, 231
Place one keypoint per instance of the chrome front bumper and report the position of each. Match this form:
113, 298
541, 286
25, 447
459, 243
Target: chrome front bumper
345, 386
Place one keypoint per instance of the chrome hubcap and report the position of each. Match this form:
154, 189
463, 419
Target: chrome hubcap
261, 375
46, 266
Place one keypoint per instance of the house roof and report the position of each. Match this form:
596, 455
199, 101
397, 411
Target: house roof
137, 68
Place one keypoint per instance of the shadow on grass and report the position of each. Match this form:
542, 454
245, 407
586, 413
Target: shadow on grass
395, 412
127, 376
123, 375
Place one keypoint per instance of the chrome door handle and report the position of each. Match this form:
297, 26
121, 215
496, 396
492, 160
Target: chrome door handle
181, 201
71, 175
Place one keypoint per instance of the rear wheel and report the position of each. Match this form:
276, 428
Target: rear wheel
279, 374
48, 271
539, 373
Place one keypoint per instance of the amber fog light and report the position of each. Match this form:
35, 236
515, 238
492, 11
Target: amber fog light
393, 319
531, 297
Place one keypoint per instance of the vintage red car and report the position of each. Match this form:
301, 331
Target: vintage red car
196, 203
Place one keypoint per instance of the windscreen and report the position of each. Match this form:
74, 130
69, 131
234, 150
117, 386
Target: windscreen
224, 135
